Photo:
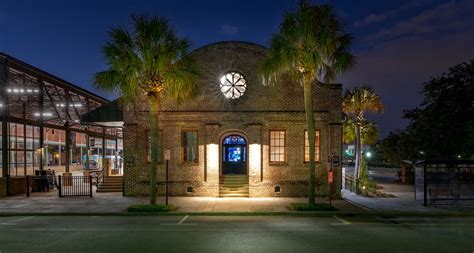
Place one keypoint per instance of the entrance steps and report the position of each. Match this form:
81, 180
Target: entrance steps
234, 186
111, 184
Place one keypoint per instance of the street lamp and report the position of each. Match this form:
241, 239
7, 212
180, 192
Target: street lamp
368, 154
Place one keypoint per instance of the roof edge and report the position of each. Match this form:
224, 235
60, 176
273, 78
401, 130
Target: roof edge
54, 77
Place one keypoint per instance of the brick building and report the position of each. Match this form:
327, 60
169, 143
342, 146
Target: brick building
238, 137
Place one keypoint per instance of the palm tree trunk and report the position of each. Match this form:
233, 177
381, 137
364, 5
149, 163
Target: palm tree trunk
153, 101
358, 149
308, 106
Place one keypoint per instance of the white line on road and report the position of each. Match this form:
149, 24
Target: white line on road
344, 222
180, 223
12, 222
183, 219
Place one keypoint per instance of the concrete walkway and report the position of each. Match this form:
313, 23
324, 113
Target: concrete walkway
404, 200
115, 202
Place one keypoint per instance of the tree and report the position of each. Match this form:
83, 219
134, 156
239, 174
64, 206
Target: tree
356, 102
368, 130
442, 126
311, 46
150, 60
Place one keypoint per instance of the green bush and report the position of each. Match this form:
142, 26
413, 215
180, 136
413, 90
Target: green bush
365, 183
146, 208
314, 207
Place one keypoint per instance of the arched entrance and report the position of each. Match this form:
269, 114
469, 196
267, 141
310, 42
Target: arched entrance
234, 155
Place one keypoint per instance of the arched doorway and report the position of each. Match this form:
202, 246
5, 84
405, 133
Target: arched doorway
234, 155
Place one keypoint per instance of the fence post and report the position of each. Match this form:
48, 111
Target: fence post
425, 187
8, 185
27, 186
90, 186
60, 187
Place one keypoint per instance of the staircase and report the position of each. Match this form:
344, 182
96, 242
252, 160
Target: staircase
111, 184
234, 186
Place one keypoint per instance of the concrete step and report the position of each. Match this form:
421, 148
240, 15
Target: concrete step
234, 195
109, 190
111, 184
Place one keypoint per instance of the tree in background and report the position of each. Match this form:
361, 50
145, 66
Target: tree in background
149, 60
442, 126
312, 47
356, 103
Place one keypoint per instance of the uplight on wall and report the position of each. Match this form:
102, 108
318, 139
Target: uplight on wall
212, 160
255, 157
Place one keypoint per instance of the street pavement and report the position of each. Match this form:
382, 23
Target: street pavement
234, 234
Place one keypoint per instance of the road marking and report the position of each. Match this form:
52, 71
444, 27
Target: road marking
183, 219
12, 222
180, 223
344, 222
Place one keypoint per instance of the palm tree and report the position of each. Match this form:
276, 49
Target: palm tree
150, 60
368, 131
356, 102
311, 46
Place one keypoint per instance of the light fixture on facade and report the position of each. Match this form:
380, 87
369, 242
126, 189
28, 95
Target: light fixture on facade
45, 114
68, 105
22, 90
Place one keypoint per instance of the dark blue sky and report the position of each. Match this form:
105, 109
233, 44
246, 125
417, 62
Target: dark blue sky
399, 44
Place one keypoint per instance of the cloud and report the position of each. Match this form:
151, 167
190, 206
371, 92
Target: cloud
373, 18
448, 17
229, 29
398, 68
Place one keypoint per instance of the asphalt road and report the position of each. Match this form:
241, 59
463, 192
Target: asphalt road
234, 234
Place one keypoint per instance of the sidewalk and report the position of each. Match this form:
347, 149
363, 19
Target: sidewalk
116, 203
404, 200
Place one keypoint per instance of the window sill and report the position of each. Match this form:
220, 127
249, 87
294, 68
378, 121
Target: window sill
278, 163
189, 163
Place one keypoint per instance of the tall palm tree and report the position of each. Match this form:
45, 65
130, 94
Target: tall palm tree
312, 47
149, 60
368, 131
356, 102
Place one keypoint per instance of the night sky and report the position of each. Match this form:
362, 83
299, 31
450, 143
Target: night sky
399, 44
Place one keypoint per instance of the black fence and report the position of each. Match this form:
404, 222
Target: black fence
75, 186
448, 182
49, 185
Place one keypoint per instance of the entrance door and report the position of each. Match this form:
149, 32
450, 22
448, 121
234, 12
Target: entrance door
234, 155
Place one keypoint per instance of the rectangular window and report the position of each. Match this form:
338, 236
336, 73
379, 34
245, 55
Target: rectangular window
160, 146
317, 146
189, 144
277, 146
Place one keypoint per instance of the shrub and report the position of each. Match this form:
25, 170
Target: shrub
313, 207
146, 208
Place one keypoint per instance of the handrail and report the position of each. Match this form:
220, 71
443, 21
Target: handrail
100, 176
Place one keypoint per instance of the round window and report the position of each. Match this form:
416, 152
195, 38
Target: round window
233, 85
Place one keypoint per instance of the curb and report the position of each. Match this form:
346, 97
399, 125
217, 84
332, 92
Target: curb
294, 214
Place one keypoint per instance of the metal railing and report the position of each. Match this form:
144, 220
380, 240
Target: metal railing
349, 183
100, 176
46, 185
75, 186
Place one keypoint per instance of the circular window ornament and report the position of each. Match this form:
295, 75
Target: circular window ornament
233, 85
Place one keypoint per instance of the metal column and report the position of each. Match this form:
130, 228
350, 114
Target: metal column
5, 114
